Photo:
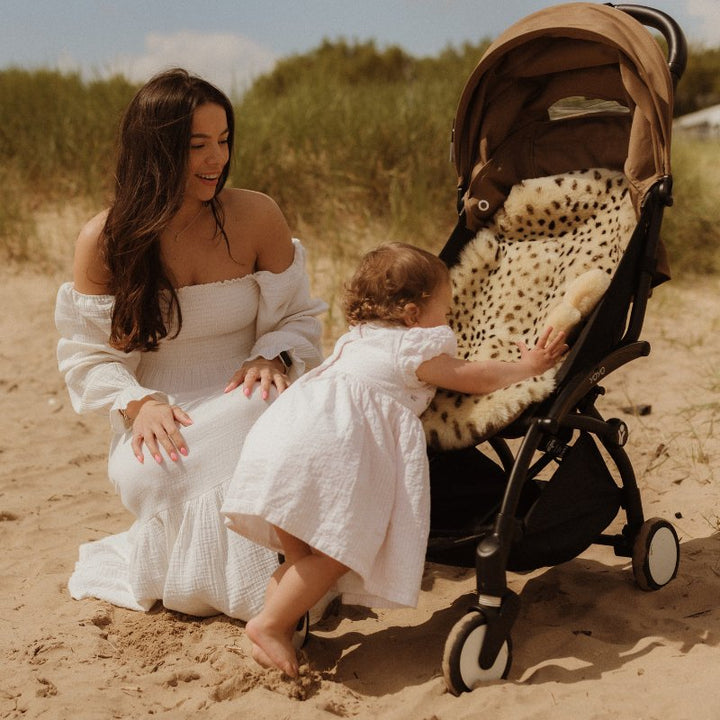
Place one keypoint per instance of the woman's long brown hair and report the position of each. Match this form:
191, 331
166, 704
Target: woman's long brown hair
150, 178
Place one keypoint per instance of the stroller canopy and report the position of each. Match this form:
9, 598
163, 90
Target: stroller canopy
524, 110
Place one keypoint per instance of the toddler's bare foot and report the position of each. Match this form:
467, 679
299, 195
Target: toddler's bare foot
260, 656
272, 647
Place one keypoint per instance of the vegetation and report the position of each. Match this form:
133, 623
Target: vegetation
351, 140
349, 132
57, 130
690, 228
56, 139
700, 84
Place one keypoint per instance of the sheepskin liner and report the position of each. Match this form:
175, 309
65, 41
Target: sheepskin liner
537, 262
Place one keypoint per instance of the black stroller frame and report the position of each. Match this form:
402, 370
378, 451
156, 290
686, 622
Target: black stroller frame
478, 648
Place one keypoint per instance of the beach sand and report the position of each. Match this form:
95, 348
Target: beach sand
587, 644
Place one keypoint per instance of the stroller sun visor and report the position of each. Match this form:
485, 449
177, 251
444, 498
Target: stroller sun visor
513, 123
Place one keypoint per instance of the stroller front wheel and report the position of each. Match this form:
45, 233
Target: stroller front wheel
656, 554
461, 657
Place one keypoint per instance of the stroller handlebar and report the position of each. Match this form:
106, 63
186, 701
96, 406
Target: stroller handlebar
671, 31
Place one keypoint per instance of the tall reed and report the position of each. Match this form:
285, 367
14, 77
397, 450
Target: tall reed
352, 141
691, 227
353, 132
56, 140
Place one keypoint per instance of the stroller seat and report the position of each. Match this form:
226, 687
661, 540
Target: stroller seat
546, 258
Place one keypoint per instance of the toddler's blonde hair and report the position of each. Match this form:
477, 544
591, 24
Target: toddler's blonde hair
388, 278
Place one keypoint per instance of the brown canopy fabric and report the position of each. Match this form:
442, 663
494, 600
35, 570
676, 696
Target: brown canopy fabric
503, 132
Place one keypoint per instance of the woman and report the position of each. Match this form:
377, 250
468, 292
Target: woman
188, 313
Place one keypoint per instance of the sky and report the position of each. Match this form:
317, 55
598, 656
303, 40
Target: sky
229, 42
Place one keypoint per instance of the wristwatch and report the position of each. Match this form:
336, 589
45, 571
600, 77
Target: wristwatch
285, 359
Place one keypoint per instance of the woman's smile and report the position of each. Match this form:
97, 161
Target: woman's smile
209, 150
209, 179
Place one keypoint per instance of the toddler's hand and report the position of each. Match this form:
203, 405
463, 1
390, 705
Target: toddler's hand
546, 353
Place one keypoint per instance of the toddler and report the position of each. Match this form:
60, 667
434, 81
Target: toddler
334, 475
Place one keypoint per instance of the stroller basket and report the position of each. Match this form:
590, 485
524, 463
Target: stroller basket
557, 520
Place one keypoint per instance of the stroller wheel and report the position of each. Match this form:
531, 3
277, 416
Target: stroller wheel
461, 657
656, 554
302, 632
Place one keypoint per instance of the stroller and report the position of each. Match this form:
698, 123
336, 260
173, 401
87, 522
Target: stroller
561, 142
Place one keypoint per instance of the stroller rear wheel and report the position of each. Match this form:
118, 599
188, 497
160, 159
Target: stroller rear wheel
461, 657
656, 554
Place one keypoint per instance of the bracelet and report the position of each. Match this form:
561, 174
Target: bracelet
126, 418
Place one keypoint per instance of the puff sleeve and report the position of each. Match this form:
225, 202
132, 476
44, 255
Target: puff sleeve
98, 377
421, 344
287, 316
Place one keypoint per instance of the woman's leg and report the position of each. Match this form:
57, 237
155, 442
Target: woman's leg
307, 576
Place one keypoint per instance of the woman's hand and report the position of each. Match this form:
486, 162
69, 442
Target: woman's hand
266, 372
545, 354
156, 425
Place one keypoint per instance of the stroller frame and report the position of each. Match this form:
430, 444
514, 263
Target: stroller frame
478, 649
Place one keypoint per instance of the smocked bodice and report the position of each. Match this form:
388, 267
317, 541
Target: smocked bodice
217, 335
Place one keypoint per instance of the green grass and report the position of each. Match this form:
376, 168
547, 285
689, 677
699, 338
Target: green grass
57, 131
691, 230
349, 132
56, 148
352, 141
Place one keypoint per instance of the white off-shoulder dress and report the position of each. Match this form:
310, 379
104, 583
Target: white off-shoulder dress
340, 462
178, 550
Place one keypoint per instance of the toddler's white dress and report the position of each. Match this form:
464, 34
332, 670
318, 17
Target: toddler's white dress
340, 462
178, 550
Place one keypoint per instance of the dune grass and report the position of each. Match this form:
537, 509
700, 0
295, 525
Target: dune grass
56, 138
691, 230
352, 141
348, 133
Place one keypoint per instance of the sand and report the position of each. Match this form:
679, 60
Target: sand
587, 644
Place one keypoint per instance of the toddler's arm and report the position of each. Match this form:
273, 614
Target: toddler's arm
485, 376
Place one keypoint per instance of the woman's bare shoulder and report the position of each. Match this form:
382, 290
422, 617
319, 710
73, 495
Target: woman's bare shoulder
257, 219
251, 207
90, 274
